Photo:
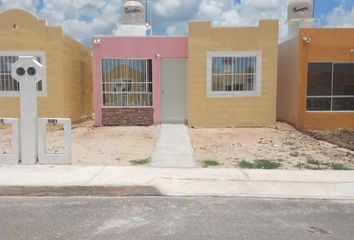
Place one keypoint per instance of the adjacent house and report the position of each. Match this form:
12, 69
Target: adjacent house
316, 79
232, 75
68, 89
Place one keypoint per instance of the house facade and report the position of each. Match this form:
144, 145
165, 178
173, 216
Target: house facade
67, 92
133, 77
316, 79
232, 75
204, 79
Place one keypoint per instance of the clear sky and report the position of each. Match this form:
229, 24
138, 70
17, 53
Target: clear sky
81, 19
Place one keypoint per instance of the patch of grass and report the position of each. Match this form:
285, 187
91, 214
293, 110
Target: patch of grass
327, 164
316, 165
294, 154
289, 143
210, 163
339, 166
139, 162
246, 164
313, 162
307, 166
300, 165
312, 167
260, 164
267, 164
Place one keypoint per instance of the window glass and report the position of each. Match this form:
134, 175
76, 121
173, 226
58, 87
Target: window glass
233, 74
343, 104
127, 82
333, 80
318, 104
319, 82
343, 79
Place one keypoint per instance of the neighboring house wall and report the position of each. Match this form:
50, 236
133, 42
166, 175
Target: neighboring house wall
327, 45
287, 81
77, 66
221, 111
154, 48
31, 34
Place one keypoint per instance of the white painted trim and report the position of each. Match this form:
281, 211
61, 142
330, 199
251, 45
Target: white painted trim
54, 158
40, 54
103, 82
258, 83
114, 107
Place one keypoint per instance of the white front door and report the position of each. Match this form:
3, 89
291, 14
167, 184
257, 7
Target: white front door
173, 90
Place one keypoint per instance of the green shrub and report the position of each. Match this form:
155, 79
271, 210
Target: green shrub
339, 166
210, 163
260, 164
139, 162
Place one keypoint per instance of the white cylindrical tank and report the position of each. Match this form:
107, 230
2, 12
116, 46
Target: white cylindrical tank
133, 13
300, 9
133, 19
300, 14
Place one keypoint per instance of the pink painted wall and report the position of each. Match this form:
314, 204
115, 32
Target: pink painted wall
135, 47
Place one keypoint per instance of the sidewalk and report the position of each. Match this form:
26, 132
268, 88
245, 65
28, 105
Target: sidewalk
174, 148
145, 181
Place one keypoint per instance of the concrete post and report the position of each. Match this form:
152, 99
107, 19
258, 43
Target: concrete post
28, 71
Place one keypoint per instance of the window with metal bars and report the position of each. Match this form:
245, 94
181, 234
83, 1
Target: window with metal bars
127, 82
330, 87
234, 74
8, 85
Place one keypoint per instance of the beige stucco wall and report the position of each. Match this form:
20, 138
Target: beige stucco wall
77, 67
287, 81
32, 34
231, 111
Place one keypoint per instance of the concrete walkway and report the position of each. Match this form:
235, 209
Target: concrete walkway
173, 148
146, 181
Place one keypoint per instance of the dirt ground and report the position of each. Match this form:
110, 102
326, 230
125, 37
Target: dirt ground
341, 137
226, 146
5, 138
283, 144
112, 145
99, 146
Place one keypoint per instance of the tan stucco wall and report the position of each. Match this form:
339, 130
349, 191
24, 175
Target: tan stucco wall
231, 111
34, 35
327, 45
287, 81
77, 66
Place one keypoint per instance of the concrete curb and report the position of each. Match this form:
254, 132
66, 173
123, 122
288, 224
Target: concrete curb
147, 181
78, 191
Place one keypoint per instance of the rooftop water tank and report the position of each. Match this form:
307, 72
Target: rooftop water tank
300, 15
133, 13
300, 9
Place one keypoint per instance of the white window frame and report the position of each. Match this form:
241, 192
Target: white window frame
131, 92
258, 80
40, 54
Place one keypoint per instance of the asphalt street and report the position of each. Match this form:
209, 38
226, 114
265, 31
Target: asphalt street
174, 218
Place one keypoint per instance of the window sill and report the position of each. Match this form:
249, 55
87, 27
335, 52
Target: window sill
125, 107
231, 94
